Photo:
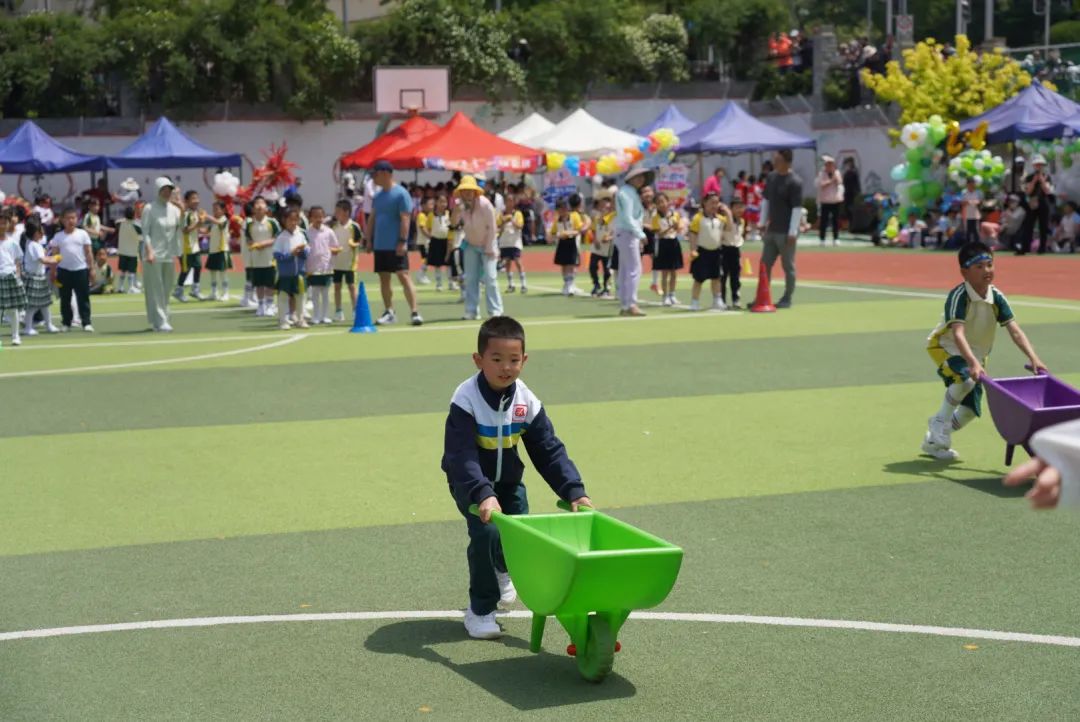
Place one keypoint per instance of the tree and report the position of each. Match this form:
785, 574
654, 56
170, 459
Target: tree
459, 33
955, 87
50, 65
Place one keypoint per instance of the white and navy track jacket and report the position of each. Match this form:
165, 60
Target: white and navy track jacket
482, 434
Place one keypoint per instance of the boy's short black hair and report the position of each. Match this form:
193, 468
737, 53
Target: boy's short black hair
129, 213
189, 194
311, 211
575, 200
344, 205
294, 199
971, 250
499, 327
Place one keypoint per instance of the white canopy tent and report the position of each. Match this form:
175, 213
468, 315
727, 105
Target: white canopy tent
582, 135
531, 127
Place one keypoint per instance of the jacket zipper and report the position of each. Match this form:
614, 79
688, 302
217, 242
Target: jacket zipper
498, 440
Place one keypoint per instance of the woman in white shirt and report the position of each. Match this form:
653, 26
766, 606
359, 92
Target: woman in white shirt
830, 196
75, 271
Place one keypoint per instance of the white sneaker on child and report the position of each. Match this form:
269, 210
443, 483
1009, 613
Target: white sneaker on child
939, 432
943, 453
695, 305
507, 592
482, 626
340, 316
30, 332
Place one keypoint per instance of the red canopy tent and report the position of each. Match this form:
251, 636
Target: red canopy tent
461, 145
409, 132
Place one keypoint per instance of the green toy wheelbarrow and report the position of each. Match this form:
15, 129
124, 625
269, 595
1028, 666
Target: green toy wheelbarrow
589, 571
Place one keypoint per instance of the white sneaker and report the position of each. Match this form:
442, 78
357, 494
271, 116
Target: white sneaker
31, 332
482, 626
88, 328
16, 341
387, 317
327, 321
165, 328
302, 323
417, 319
719, 305
339, 316
178, 294
695, 305
507, 592
938, 452
939, 434
667, 301
53, 329
65, 329
271, 311
423, 280
470, 317
284, 326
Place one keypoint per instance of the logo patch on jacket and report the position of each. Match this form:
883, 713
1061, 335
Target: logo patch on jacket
520, 411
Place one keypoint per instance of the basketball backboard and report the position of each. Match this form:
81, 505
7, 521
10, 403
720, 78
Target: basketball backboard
401, 90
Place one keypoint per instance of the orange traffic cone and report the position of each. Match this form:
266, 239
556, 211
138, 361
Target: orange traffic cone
763, 301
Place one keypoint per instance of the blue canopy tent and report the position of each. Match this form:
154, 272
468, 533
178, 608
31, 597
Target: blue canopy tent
163, 145
672, 118
31, 150
1035, 112
733, 130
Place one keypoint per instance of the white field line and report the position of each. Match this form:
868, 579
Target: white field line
156, 362
539, 322
843, 624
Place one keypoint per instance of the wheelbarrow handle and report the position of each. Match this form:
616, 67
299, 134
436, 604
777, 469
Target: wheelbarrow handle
474, 509
1031, 368
566, 506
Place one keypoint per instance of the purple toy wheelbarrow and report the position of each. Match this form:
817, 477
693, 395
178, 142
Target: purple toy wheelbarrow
1021, 406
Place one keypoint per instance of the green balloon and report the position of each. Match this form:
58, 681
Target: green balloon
914, 155
917, 192
933, 190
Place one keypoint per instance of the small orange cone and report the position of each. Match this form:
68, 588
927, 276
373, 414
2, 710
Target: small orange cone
746, 268
763, 301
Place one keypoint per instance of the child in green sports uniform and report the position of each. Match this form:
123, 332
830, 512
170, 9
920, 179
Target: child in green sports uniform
961, 343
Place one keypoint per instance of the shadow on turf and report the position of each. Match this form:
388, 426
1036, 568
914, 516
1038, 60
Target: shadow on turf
935, 469
523, 680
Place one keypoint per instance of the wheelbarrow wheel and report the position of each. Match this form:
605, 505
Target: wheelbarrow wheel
595, 662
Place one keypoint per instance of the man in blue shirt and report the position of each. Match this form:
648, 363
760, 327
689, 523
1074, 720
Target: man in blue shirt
388, 229
629, 232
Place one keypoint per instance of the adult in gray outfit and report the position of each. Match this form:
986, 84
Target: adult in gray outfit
781, 214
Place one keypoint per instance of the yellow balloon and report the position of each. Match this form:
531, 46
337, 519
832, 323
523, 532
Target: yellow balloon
555, 161
977, 138
954, 145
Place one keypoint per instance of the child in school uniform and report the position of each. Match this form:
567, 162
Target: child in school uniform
259, 235
1064, 238
219, 255
36, 264
510, 223
247, 300
603, 244
128, 234
322, 244
103, 274
668, 226
648, 221
960, 346
706, 235
731, 241
290, 250
191, 253
349, 238
91, 223
438, 232
12, 291
566, 229
484, 468
422, 223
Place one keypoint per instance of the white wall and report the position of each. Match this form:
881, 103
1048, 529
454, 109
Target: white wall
316, 147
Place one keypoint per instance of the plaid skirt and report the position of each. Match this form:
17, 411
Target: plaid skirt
12, 293
38, 292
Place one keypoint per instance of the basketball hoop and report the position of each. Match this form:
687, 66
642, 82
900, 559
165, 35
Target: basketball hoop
406, 92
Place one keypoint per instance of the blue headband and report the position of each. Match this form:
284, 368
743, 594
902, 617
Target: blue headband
977, 259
